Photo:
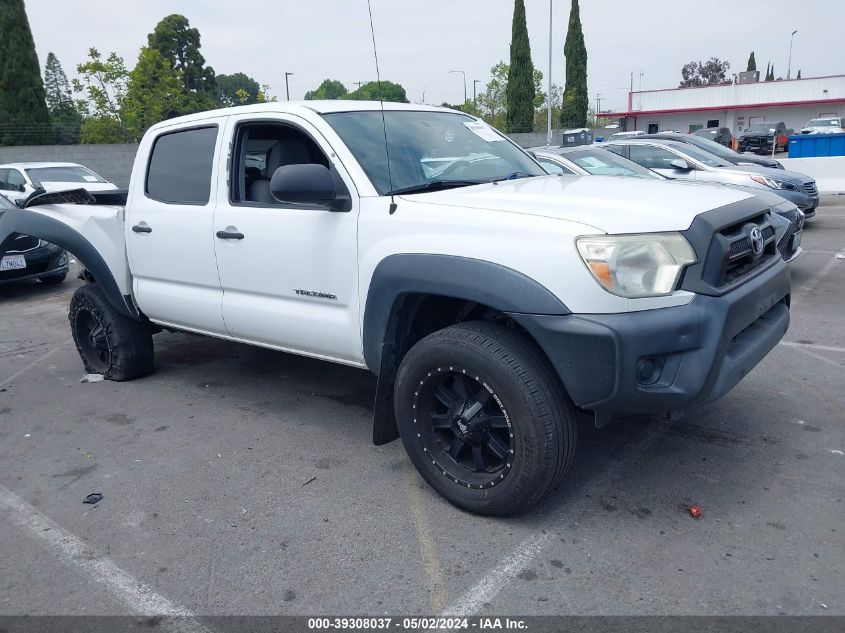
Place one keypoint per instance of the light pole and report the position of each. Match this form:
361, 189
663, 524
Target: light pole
549, 96
287, 88
475, 82
789, 66
599, 97
465, 82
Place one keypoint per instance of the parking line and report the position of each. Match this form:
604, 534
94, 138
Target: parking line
801, 349
814, 281
491, 584
20, 372
824, 348
139, 597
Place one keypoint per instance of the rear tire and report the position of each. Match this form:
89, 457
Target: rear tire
483, 418
108, 342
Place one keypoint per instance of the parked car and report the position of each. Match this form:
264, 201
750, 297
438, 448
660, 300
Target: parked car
621, 135
598, 161
19, 180
682, 161
825, 125
764, 138
714, 148
24, 257
720, 135
497, 304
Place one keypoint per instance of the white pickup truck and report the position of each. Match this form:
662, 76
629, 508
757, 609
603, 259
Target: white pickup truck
496, 304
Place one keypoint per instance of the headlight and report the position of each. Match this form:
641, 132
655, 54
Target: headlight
646, 265
768, 182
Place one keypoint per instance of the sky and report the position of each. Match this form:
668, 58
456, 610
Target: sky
420, 41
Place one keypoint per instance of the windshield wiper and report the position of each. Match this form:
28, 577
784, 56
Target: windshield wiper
514, 175
432, 185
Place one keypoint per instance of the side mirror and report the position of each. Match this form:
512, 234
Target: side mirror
304, 184
680, 164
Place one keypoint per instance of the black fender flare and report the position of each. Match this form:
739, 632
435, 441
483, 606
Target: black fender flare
397, 276
487, 283
60, 234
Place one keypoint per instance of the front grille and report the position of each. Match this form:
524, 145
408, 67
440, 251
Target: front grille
22, 244
811, 189
741, 260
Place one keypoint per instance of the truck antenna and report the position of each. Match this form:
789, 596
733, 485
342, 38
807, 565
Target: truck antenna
381, 103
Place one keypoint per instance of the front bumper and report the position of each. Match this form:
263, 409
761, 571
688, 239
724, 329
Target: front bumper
43, 261
668, 359
800, 199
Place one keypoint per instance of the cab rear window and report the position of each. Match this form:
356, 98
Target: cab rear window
180, 166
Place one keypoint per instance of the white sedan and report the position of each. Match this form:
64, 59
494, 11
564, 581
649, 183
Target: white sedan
19, 180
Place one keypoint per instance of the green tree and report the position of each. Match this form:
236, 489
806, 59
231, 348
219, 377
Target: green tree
493, 104
64, 119
179, 44
24, 118
154, 93
752, 62
102, 84
799, 74
519, 92
371, 91
576, 101
236, 89
710, 73
329, 89
772, 73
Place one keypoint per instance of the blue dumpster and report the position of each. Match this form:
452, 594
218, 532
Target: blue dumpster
814, 145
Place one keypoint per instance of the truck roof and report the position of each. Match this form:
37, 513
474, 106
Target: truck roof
299, 107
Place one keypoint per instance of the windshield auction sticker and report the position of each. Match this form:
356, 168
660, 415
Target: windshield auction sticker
483, 131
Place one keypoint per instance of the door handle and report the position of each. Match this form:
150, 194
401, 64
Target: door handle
141, 229
229, 235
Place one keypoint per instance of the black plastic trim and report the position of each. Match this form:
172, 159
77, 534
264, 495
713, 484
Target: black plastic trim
483, 282
60, 234
702, 349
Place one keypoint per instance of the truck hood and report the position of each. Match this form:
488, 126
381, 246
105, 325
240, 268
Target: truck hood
610, 204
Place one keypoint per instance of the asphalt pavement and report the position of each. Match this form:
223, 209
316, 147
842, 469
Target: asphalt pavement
239, 480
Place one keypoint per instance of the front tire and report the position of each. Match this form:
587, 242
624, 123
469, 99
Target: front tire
108, 342
483, 418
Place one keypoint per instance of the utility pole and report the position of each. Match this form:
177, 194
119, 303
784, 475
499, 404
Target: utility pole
599, 97
789, 66
465, 82
287, 88
549, 97
358, 83
475, 82
642, 72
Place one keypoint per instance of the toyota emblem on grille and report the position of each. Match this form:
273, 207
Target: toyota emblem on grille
757, 242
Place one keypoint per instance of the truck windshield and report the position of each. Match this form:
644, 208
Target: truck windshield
70, 173
823, 122
429, 150
762, 127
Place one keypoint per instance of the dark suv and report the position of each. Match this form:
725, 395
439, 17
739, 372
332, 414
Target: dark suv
764, 137
24, 257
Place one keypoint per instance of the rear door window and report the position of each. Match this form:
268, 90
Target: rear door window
180, 166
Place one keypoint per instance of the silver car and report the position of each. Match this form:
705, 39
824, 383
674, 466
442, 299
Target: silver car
597, 161
681, 161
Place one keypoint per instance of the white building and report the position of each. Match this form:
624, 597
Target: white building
735, 106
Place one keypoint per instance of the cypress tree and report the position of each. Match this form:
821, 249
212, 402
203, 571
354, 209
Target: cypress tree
575, 97
772, 73
23, 113
65, 119
56, 86
520, 90
752, 63
799, 74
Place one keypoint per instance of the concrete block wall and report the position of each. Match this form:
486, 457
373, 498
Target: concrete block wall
112, 162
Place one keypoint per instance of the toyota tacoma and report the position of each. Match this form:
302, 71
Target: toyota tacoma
497, 304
